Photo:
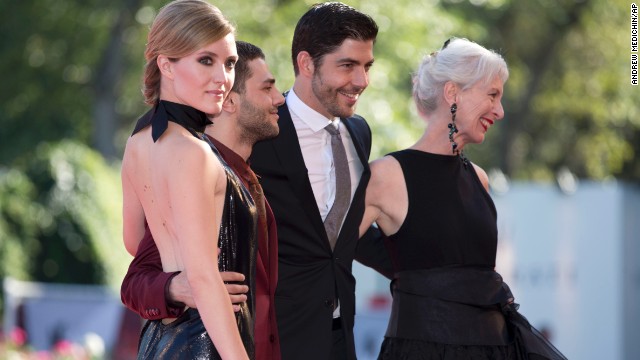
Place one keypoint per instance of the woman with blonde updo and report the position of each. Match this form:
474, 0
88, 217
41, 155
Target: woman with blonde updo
434, 205
174, 179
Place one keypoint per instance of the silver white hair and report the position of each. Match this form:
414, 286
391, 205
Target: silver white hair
461, 61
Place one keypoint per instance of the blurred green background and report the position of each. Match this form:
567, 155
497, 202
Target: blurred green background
70, 95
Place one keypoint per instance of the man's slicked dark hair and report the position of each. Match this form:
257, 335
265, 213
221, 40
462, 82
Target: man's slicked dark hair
246, 53
323, 28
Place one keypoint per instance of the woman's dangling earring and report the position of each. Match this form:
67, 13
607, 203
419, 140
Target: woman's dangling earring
452, 130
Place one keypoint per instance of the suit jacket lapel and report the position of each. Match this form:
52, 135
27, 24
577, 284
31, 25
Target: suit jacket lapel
359, 142
288, 149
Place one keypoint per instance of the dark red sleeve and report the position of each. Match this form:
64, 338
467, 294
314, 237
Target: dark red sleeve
144, 287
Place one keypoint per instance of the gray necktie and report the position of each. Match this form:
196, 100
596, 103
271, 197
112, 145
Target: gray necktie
333, 221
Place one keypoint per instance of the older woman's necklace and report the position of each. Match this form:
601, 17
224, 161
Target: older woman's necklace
452, 130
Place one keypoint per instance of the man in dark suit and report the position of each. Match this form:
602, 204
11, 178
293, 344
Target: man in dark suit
332, 52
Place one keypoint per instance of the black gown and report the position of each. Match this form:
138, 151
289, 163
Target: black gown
186, 337
448, 302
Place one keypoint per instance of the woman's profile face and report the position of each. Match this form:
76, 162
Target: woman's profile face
204, 78
479, 107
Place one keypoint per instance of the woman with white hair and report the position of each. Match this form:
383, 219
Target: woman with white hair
434, 206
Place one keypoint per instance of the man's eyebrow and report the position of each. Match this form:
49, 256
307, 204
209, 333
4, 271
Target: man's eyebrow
353, 61
269, 80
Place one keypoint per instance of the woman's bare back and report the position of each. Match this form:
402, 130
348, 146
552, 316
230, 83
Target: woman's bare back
186, 165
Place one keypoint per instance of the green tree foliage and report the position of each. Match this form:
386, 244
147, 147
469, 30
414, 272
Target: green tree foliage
569, 103
61, 217
22, 219
58, 63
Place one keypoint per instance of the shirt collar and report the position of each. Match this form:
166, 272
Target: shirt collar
235, 161
313, 119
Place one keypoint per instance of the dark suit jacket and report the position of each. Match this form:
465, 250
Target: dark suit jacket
310, 276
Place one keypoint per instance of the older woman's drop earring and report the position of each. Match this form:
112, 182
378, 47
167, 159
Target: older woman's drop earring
452, 130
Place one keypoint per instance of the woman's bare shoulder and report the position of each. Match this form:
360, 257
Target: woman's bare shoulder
386, 174
482, 175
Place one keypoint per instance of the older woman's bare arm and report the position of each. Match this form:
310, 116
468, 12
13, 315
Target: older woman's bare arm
386, 200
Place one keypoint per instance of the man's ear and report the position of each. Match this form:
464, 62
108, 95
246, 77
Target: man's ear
450, 92
305, 64
231, 103
165, 65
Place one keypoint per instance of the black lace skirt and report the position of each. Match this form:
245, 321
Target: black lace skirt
412, 349
459, 314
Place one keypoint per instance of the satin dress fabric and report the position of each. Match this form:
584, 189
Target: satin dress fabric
186, 337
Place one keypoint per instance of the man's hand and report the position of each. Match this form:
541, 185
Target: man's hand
180, 291
233, 281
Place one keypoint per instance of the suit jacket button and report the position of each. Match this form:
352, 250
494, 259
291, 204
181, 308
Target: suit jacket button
272, 338
329, 303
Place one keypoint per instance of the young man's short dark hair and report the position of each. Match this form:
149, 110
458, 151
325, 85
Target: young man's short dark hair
326, 26
246, 53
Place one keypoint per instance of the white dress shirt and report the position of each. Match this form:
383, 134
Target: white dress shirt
315, 143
